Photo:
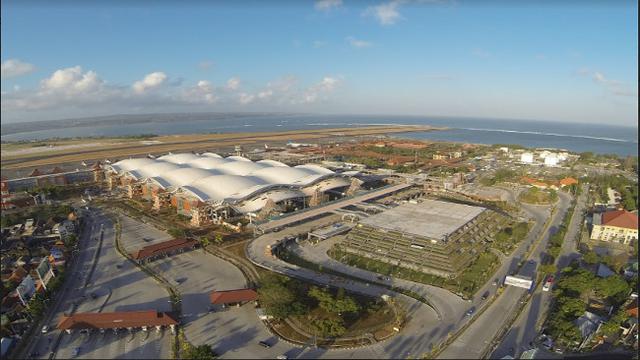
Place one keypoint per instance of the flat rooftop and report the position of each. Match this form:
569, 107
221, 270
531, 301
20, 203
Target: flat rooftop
432, 219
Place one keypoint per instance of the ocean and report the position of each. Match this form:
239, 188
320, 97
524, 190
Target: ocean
597, 138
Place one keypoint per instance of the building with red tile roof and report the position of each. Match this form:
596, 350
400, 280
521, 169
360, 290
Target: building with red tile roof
618, 226
164, 248
116, 320
568, 181
233, 296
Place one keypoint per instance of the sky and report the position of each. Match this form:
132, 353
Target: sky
559, 61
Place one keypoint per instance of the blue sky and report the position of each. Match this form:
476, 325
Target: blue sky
571, 61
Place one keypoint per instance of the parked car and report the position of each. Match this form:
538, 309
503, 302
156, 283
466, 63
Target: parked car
485, 295
469, 312
45, 329
264, 344
76, 352
282, 357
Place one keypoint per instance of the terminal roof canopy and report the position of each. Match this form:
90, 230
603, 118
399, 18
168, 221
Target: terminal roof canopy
431, 218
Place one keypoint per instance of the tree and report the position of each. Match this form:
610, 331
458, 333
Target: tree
590, 257
547, 269
201, 352
277, 298
576, 280
612, 287
612, 326
571, 308
218, 239
177, 232
334, 305
204, 241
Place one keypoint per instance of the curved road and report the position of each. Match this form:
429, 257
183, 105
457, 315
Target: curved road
449, 308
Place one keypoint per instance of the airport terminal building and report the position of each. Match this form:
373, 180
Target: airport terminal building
436, 237
208, 187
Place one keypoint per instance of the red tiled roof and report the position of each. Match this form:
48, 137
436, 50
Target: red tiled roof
620, 218
35, 172
163, 248
116, 320
632, 309
233, 296
568, 181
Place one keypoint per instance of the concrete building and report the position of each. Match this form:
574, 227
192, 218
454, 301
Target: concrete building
209, 188
526, 158
435, 237
551, 160
615, 226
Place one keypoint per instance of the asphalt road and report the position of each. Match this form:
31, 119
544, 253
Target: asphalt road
524, 330
474, 341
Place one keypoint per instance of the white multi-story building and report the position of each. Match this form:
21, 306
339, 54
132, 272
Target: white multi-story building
526, 158
551, 160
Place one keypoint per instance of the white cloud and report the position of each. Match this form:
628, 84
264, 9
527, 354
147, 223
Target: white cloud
202, 93
326, 5
233, 83
386, 14
72, 80
615, 87
246, 98
358, 43
151, 81
15, 68
317, 91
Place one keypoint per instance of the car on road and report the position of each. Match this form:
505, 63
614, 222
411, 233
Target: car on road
485, 295
470, 312
548, 284
76, 352
282, 357
264, 344
495, 282
45, 329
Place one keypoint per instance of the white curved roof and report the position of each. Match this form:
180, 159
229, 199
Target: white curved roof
225, 187
131, 164
208, 162
180, 177
240, 167
288, 175
155, 169
242, 183
210, 154
182, 158
316, 169
271, 163
238, 158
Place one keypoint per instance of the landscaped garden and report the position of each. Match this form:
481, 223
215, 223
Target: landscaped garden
324, 313
467, 283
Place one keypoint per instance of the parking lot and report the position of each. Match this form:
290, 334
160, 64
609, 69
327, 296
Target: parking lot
124, 345
115, 285
136, 234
